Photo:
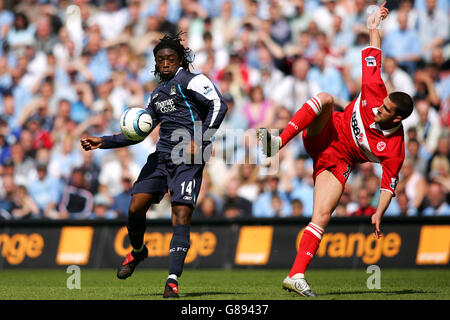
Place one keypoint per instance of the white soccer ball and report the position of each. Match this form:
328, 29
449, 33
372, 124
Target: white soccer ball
136, 123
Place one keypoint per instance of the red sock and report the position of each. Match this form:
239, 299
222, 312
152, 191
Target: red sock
309, 243
301, 119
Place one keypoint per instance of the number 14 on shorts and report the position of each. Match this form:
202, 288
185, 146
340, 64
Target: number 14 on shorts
187, 188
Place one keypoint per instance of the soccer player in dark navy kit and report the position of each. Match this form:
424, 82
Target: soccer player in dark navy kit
189, 109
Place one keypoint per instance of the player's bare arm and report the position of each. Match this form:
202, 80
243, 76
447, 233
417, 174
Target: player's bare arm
383, 204
91, 143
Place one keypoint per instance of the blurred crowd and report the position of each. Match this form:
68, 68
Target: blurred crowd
70, 68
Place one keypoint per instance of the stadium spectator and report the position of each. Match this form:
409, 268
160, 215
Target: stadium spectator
428, 125
64, 158
21, 33
436, 201
300, 18
24, 206
401, 206
297, 208
433, 28
413, 150
207, 208
346, 205
413, 183
302, 186
123, 164
258, 111
293, 89
323, 15
391, 22
233, 204
225, 26
248, 181
326, 77
365, 208
438, 167
45, 191
111, 19
24, 167
7, 196
101, 208
45, 38
76, 200
121, 201
403, 44
262, 207
6, 21
397, 79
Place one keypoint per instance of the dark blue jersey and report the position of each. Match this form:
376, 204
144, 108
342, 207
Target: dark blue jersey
187, 107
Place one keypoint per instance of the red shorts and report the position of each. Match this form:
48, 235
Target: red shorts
328, 151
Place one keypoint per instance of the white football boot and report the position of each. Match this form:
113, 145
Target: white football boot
271, 144
298, 285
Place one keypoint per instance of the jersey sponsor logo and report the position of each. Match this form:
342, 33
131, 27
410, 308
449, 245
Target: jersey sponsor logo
381, 146
347, 172
393, 184
359, 134
361, 137
293, 124
165, 106
370, 61
207, 90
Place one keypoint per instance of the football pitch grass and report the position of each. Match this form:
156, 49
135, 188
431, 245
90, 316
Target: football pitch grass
214, 284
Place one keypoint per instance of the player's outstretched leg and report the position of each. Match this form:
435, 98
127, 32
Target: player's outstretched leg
179, 246
139, 205
327, 192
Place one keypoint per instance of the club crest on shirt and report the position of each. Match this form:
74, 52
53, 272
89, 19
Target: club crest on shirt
371, 62
381, 145
173, 90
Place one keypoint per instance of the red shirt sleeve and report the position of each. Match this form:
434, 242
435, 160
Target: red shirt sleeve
373, 89
391, 165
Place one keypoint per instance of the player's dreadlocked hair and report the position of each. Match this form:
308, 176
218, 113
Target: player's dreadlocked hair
174, 43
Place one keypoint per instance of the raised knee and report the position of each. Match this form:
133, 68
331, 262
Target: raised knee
326, 99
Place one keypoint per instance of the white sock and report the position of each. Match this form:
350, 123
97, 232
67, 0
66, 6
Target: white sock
298, 276
173, 276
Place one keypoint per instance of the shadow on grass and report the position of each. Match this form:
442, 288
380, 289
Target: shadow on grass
406, 291
186, 295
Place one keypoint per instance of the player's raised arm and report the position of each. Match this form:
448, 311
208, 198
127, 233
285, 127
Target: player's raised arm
373, 22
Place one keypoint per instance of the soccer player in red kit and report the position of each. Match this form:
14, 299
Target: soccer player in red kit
369, 129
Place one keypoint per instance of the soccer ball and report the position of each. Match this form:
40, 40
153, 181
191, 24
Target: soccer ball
136, 123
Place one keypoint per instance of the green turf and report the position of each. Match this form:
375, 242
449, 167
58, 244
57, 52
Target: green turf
145, 284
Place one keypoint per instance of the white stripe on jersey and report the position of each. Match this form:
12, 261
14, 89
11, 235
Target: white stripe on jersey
359, 132
202, 85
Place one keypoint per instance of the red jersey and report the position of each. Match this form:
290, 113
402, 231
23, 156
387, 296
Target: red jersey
365, 140
352, 136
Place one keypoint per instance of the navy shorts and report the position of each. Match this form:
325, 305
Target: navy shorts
160, 175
